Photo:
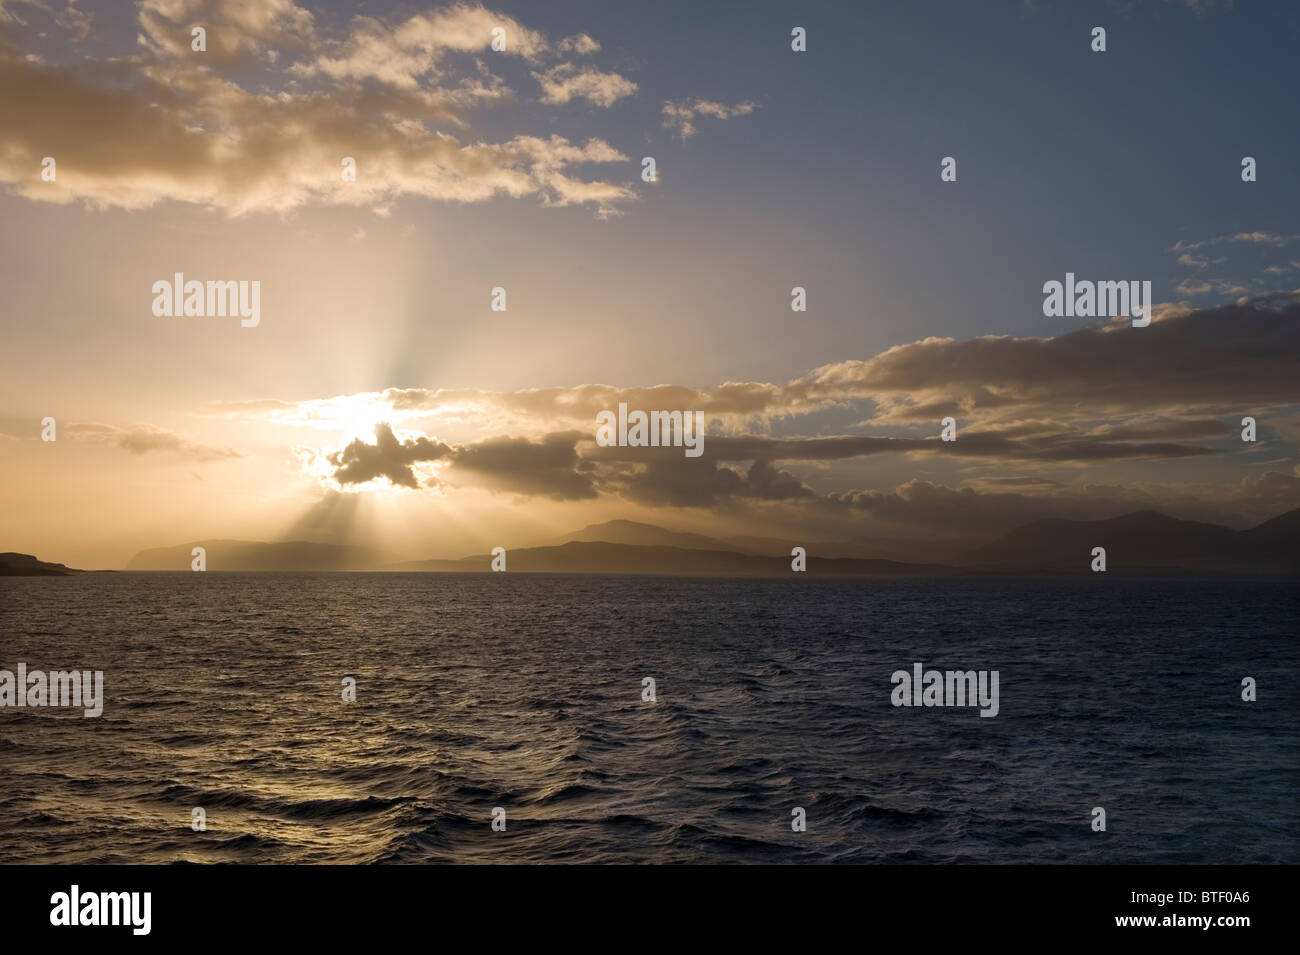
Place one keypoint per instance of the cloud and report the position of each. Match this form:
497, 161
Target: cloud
1201, 7
1215, 361
236, 33
404, 55
562, 83
272, 139
77, 22
549, 467
1041, 397
567, 466
249, 409
579, 43
1293, 266
1219, 287
1038, 418
11, 15
144, 439
1254, 238
389, 457
680, 115
1192, 257
1194, 261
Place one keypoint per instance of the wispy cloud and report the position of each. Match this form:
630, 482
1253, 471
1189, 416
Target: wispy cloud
680, 115
1253, 238
145, 439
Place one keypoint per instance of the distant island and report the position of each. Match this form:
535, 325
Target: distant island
260, 555
1142, 543
25, 565
603, 557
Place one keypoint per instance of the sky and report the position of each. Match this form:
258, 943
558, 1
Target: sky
380, 399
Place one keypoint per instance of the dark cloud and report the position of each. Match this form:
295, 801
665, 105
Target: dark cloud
1059, 447
1188, 364
1026, 409
664, 481
546, 468
389, 457
1225, 360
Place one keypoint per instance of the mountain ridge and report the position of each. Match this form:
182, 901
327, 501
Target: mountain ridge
1145, 540
595, 557
1138, 542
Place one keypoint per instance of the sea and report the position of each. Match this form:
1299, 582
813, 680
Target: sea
508, 718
